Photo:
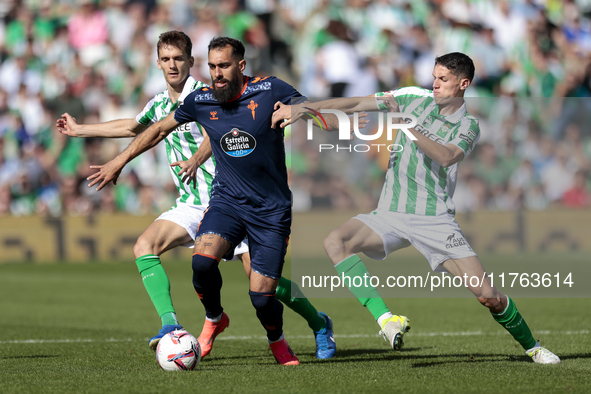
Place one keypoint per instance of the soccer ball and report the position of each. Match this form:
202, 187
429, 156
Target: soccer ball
178, 351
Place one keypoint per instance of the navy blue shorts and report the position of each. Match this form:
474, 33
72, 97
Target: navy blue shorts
268, 233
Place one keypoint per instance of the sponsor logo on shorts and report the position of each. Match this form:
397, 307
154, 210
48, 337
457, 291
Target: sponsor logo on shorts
454, 242
238, 143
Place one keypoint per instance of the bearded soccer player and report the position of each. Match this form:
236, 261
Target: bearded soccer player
416, 206
250, 194
178, 226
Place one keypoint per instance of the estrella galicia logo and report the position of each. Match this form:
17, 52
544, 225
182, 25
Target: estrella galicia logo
238, 143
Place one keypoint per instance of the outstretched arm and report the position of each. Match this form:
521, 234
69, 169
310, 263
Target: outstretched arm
288, 114
189, 167
350, 105
119, 128
143, 142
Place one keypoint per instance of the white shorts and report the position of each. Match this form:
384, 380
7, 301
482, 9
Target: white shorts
438, 238
188, 217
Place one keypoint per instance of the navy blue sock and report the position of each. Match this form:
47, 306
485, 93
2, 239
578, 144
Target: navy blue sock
270, 313
207, 281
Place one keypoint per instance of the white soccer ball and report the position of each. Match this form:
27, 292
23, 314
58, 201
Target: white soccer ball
178, 351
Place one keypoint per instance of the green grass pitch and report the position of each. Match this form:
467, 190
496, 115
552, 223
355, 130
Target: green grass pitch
84, 328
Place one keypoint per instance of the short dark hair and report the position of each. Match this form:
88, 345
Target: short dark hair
458, 63
177, 39
222, 42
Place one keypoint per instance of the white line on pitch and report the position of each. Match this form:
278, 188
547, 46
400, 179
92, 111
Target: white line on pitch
247, 337
79, 340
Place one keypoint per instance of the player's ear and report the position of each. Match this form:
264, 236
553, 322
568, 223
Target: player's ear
242, 65
158, 63
464, 83
191, 61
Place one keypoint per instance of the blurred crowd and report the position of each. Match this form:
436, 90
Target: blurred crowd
96, 59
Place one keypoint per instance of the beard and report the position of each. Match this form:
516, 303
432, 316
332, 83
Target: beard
226, 93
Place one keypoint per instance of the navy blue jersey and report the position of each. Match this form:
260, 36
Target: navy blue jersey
249, 154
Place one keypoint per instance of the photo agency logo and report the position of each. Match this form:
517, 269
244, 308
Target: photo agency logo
394, 121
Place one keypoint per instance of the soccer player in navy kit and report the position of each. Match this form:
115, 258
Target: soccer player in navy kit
250, 195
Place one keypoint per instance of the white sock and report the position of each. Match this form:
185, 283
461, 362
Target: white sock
216, 319
385, 316
280, 339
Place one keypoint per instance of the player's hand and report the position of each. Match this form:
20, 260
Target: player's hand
284, 115
281, 115
66, 125
188, 170
362, 121
390, 101
105, 174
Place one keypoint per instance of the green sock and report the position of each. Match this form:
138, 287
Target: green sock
512, 321
158, 287
298, 302
368, 295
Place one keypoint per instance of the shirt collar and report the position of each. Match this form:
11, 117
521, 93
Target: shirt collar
456, 116
188, 88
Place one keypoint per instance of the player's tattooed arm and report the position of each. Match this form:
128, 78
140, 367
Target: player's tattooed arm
143, 142
189, 167
119, 128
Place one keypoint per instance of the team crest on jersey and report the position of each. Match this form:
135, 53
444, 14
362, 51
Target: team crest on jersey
252, 106
238, 143
443, 130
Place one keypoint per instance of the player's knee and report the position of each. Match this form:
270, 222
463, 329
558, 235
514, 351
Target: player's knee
333, 244
494, 304
142, 248
202, 263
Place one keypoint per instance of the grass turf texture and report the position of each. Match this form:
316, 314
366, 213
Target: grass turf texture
89, 325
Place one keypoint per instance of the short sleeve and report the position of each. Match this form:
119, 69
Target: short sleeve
287, 94
467, 135
404, 96
148, 114
187, 111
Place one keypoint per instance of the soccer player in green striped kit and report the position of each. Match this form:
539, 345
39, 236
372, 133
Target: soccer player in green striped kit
416, 206
178, 225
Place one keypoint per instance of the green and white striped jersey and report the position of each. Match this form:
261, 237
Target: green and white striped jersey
414, 182
181, 144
